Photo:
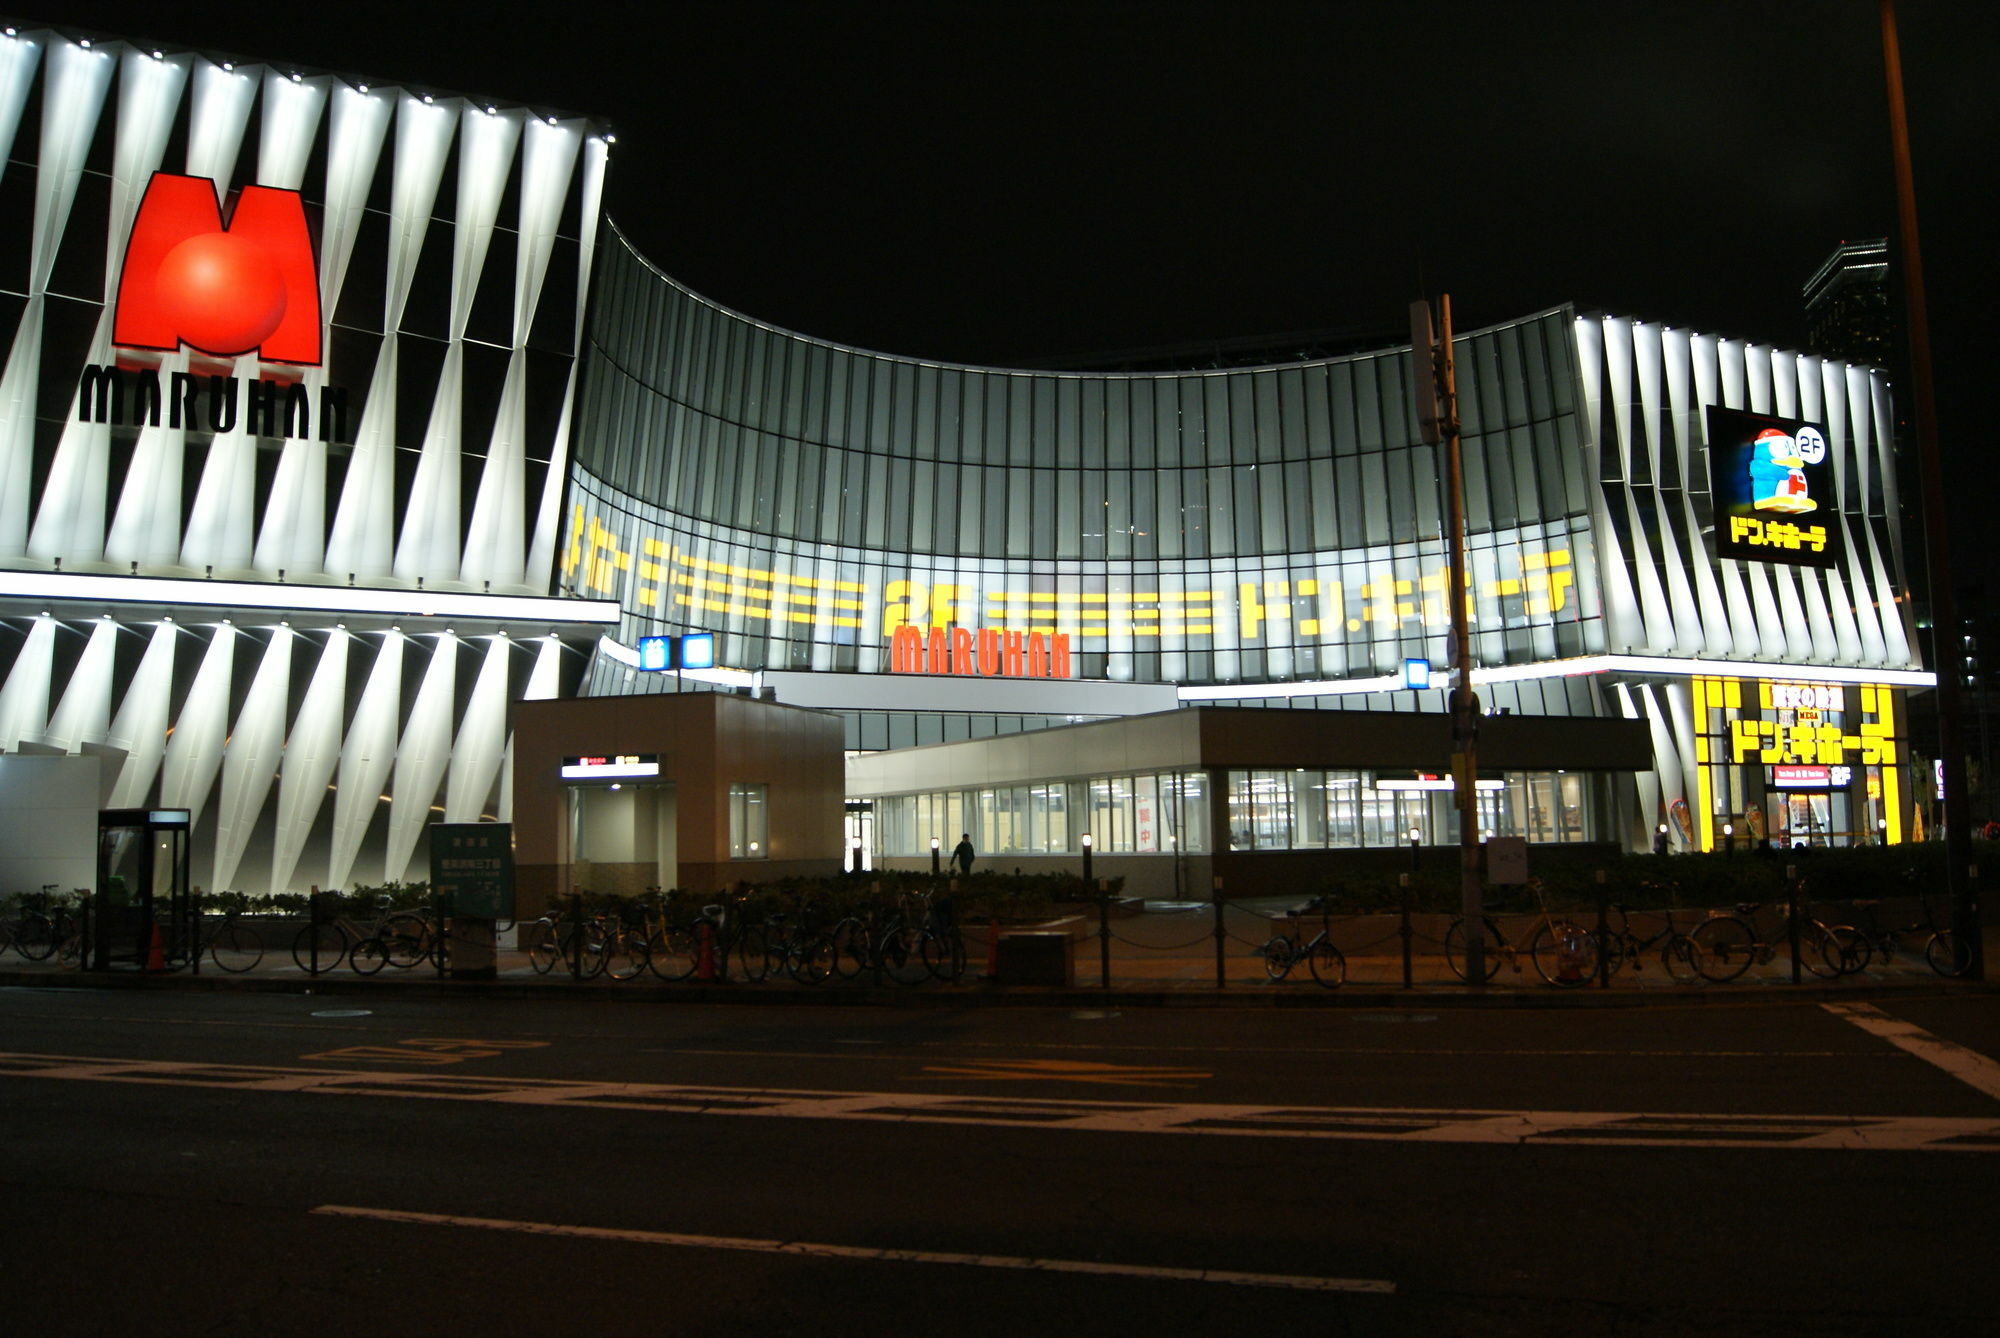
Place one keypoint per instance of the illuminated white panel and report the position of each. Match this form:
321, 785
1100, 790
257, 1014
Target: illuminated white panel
609, 770
220, 112
140, 727
295, 516
69, 523
73, 90
17, 428
366, 758
364, 526
548, 158
84, 715
19, 56
359, 123
421, 758
486, 145
165, 592
541, 562
1648, 781
225, 501
423, 139
250, 759
146, 524
494, 543
543, 682
149, 91
312, 750
428, 546
292, 110
194, 753
482, 737
595, 152
24, 701
1666, 759
1443, 783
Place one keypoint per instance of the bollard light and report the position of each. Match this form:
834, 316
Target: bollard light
934, 857
1086, 862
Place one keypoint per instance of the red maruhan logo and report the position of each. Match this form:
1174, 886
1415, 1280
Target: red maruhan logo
226, 289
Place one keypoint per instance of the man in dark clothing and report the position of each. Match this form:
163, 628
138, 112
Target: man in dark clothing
961, 855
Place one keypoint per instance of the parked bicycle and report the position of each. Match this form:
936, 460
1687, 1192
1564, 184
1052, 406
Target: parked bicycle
44, 926
1679, 956
1860, 945
1327, 963
1728, 944
231, 945
1565, 953
399, 938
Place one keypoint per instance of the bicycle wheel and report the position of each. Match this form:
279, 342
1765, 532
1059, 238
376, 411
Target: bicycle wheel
544, 946
1279, 955
407, 938
1852, 952
1724, 948
1946, 955
1328, 964
1565, 953
368, 956
1819, 952
672, 953
236, 948
944, 955
35, 937
332, 947
851, 949
1682, 959
627, 957
812, 964
753, 954
1454, 949
901, 956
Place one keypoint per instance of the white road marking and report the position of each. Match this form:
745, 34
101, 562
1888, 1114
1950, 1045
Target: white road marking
1968, 1066
1531, 1128
817, 1250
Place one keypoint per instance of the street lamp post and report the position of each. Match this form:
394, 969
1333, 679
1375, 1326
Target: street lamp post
1416, 838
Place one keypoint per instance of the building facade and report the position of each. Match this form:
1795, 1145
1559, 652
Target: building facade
293, 583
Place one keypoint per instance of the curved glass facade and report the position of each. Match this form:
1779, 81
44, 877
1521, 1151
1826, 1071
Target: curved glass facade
804, 499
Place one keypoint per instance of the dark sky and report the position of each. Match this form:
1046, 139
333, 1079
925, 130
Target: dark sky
996, 183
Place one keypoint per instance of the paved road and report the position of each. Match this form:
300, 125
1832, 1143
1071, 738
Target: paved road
299, 1164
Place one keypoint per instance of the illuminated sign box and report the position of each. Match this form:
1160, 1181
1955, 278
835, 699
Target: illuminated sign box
696, 650
1433, 783
623, 766
1772, 485
1811, 778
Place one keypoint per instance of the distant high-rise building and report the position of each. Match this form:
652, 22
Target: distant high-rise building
1848, 312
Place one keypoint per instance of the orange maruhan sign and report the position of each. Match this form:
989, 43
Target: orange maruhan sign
987, 653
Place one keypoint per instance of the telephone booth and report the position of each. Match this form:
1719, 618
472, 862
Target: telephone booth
142, 887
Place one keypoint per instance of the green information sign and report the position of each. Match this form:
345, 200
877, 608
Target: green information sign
472, 864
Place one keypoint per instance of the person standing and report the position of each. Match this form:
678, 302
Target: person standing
962, 855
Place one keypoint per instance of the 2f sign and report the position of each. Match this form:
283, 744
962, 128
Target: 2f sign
226, 289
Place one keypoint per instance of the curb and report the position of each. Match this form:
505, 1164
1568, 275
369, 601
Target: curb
992, 996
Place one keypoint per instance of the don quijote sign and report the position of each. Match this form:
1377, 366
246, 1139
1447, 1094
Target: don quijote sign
222, 289
987, 653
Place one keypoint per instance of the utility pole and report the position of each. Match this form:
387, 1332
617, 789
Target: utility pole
1960, 876
1437, 414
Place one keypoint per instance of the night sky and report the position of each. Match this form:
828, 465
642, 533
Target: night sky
1004, 183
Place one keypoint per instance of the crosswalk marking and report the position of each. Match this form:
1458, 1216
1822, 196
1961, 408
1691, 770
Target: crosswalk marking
1968, 1066
819, 1250
1530, 1128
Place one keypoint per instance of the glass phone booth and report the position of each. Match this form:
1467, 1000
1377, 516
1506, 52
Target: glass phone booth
142, 886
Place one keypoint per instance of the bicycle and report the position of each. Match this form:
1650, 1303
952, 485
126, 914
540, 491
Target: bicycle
43, 927
1327, 963
1726, 944
1859, 945
1678, 955
232, 945
1565, 954
399, 938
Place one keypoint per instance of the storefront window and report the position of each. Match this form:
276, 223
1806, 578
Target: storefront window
749, 820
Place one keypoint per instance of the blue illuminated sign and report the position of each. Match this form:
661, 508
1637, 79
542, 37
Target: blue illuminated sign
698, 650
656, 652
1416, 673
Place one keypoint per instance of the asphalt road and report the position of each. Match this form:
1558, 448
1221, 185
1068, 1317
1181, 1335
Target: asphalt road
299, 1164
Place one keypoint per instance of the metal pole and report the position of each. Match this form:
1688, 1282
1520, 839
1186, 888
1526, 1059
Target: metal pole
1961, 877
1464, 704
1792, 915
1603, 934
1104, 934
1409, 981
1221, 969
576, 936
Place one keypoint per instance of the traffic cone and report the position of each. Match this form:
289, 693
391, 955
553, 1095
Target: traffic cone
704, 962
156, 955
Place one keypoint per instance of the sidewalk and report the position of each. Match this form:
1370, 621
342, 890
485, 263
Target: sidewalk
1159, 956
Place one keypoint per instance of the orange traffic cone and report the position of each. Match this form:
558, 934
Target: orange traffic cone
156, 956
